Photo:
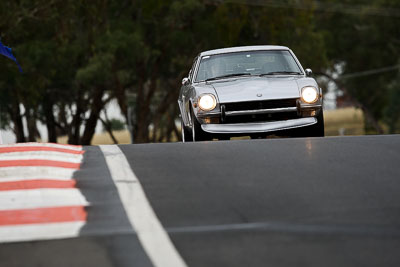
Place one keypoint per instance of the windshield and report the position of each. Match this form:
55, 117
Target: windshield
247, 63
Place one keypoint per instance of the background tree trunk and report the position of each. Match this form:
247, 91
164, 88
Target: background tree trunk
17, 120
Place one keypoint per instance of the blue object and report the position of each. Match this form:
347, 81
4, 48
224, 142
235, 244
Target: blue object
6, 51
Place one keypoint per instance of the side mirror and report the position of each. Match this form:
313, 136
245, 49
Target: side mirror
185, 81
308, 72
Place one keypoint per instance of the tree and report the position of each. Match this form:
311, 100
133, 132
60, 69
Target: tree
365, 40
78, 56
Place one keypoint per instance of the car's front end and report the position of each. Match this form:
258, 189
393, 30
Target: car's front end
255, 102
259, 116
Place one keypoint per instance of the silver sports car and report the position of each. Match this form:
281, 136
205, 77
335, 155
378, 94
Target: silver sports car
251, 90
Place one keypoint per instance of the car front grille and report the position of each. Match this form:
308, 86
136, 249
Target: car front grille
261, 117
257, 105
266, 104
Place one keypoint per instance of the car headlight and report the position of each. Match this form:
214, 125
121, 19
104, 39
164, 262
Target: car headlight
207, 102
309, 94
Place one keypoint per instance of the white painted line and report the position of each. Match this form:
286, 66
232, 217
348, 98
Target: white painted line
42, 155
151, 233
41, 231
70, 147
9, 174
41, 198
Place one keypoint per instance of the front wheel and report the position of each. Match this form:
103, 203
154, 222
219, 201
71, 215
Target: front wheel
197, 133
186, 134
316, 130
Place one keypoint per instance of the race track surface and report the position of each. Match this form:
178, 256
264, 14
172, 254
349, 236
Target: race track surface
278, 202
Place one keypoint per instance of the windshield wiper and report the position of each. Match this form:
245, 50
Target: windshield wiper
227, 76
281, 72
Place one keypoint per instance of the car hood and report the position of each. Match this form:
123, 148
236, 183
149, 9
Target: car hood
256, 88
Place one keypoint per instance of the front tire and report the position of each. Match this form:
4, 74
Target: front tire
316, 130
197, 133
186, 134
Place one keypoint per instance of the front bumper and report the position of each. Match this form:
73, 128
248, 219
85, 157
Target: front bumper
258, 127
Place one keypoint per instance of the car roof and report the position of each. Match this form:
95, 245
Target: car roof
242, 49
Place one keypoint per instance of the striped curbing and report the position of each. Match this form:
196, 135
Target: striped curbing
38, 195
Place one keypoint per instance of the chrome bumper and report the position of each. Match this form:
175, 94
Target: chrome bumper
258, 127
301, 107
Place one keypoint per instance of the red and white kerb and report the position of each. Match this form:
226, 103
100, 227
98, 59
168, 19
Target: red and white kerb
38, 197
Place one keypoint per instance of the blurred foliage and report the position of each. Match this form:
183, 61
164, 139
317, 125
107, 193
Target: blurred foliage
367, 40
79, 55
392, 110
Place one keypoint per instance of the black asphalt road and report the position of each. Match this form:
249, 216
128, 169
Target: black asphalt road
278, 202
